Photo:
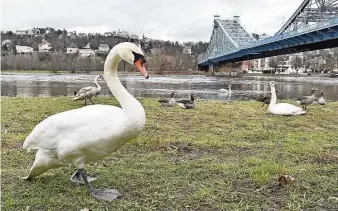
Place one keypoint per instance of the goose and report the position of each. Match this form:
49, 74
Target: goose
76, 137
86, 93
307, 100
321, 100
168, 102
187, 104
282, 108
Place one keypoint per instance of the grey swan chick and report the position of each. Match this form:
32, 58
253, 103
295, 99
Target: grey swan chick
86, 93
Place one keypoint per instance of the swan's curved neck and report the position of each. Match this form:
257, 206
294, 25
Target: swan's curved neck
127, 101
97, 84
273, 100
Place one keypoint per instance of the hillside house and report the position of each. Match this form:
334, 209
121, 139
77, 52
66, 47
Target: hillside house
187, 50
6, 42
87, 46
72, 49
45, 46
86, 53
23, 49
21, 32
104, 47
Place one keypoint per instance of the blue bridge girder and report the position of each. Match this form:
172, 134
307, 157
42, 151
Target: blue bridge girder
318, 36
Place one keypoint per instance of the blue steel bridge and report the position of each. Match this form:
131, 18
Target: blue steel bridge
313, 26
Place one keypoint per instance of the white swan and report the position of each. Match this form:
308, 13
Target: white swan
86, 93
282, 108
229, 97
223, 90
76, 137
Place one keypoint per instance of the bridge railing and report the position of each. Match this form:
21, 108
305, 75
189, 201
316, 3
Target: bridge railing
313, 27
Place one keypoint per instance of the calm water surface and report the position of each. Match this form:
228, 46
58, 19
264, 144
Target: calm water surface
205, 87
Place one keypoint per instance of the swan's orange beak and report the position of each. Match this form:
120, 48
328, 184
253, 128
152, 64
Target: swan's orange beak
140, 67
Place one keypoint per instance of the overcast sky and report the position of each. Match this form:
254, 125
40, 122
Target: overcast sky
182, 20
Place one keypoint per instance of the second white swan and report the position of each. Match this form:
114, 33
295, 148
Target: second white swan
285, 109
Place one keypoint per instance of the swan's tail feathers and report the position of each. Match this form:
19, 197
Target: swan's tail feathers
298, 101
181, 105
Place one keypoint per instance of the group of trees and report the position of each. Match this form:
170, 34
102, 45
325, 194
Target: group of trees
58, 61
169, 55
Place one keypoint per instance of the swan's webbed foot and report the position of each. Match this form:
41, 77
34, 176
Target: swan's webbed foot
76, 178
104, 194
100, 194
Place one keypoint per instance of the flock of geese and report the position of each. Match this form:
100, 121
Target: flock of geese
75, 137
189, 103
183, 103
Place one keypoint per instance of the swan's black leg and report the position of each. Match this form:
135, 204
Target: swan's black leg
91, 100
100, 194
85, 101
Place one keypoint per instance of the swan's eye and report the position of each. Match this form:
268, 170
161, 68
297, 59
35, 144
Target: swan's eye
143, 59
138, 56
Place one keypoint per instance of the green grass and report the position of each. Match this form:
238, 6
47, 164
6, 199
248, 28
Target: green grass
216, 157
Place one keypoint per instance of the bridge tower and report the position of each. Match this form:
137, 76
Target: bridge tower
226, 36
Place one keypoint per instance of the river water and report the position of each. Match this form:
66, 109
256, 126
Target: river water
204, 87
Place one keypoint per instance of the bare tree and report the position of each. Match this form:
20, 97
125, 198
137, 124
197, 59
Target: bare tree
273, 62
297, 62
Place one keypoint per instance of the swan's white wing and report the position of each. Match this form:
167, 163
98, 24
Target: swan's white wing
84, 90
83, 126
286, 109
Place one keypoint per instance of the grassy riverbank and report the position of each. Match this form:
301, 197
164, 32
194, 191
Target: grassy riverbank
218, 156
